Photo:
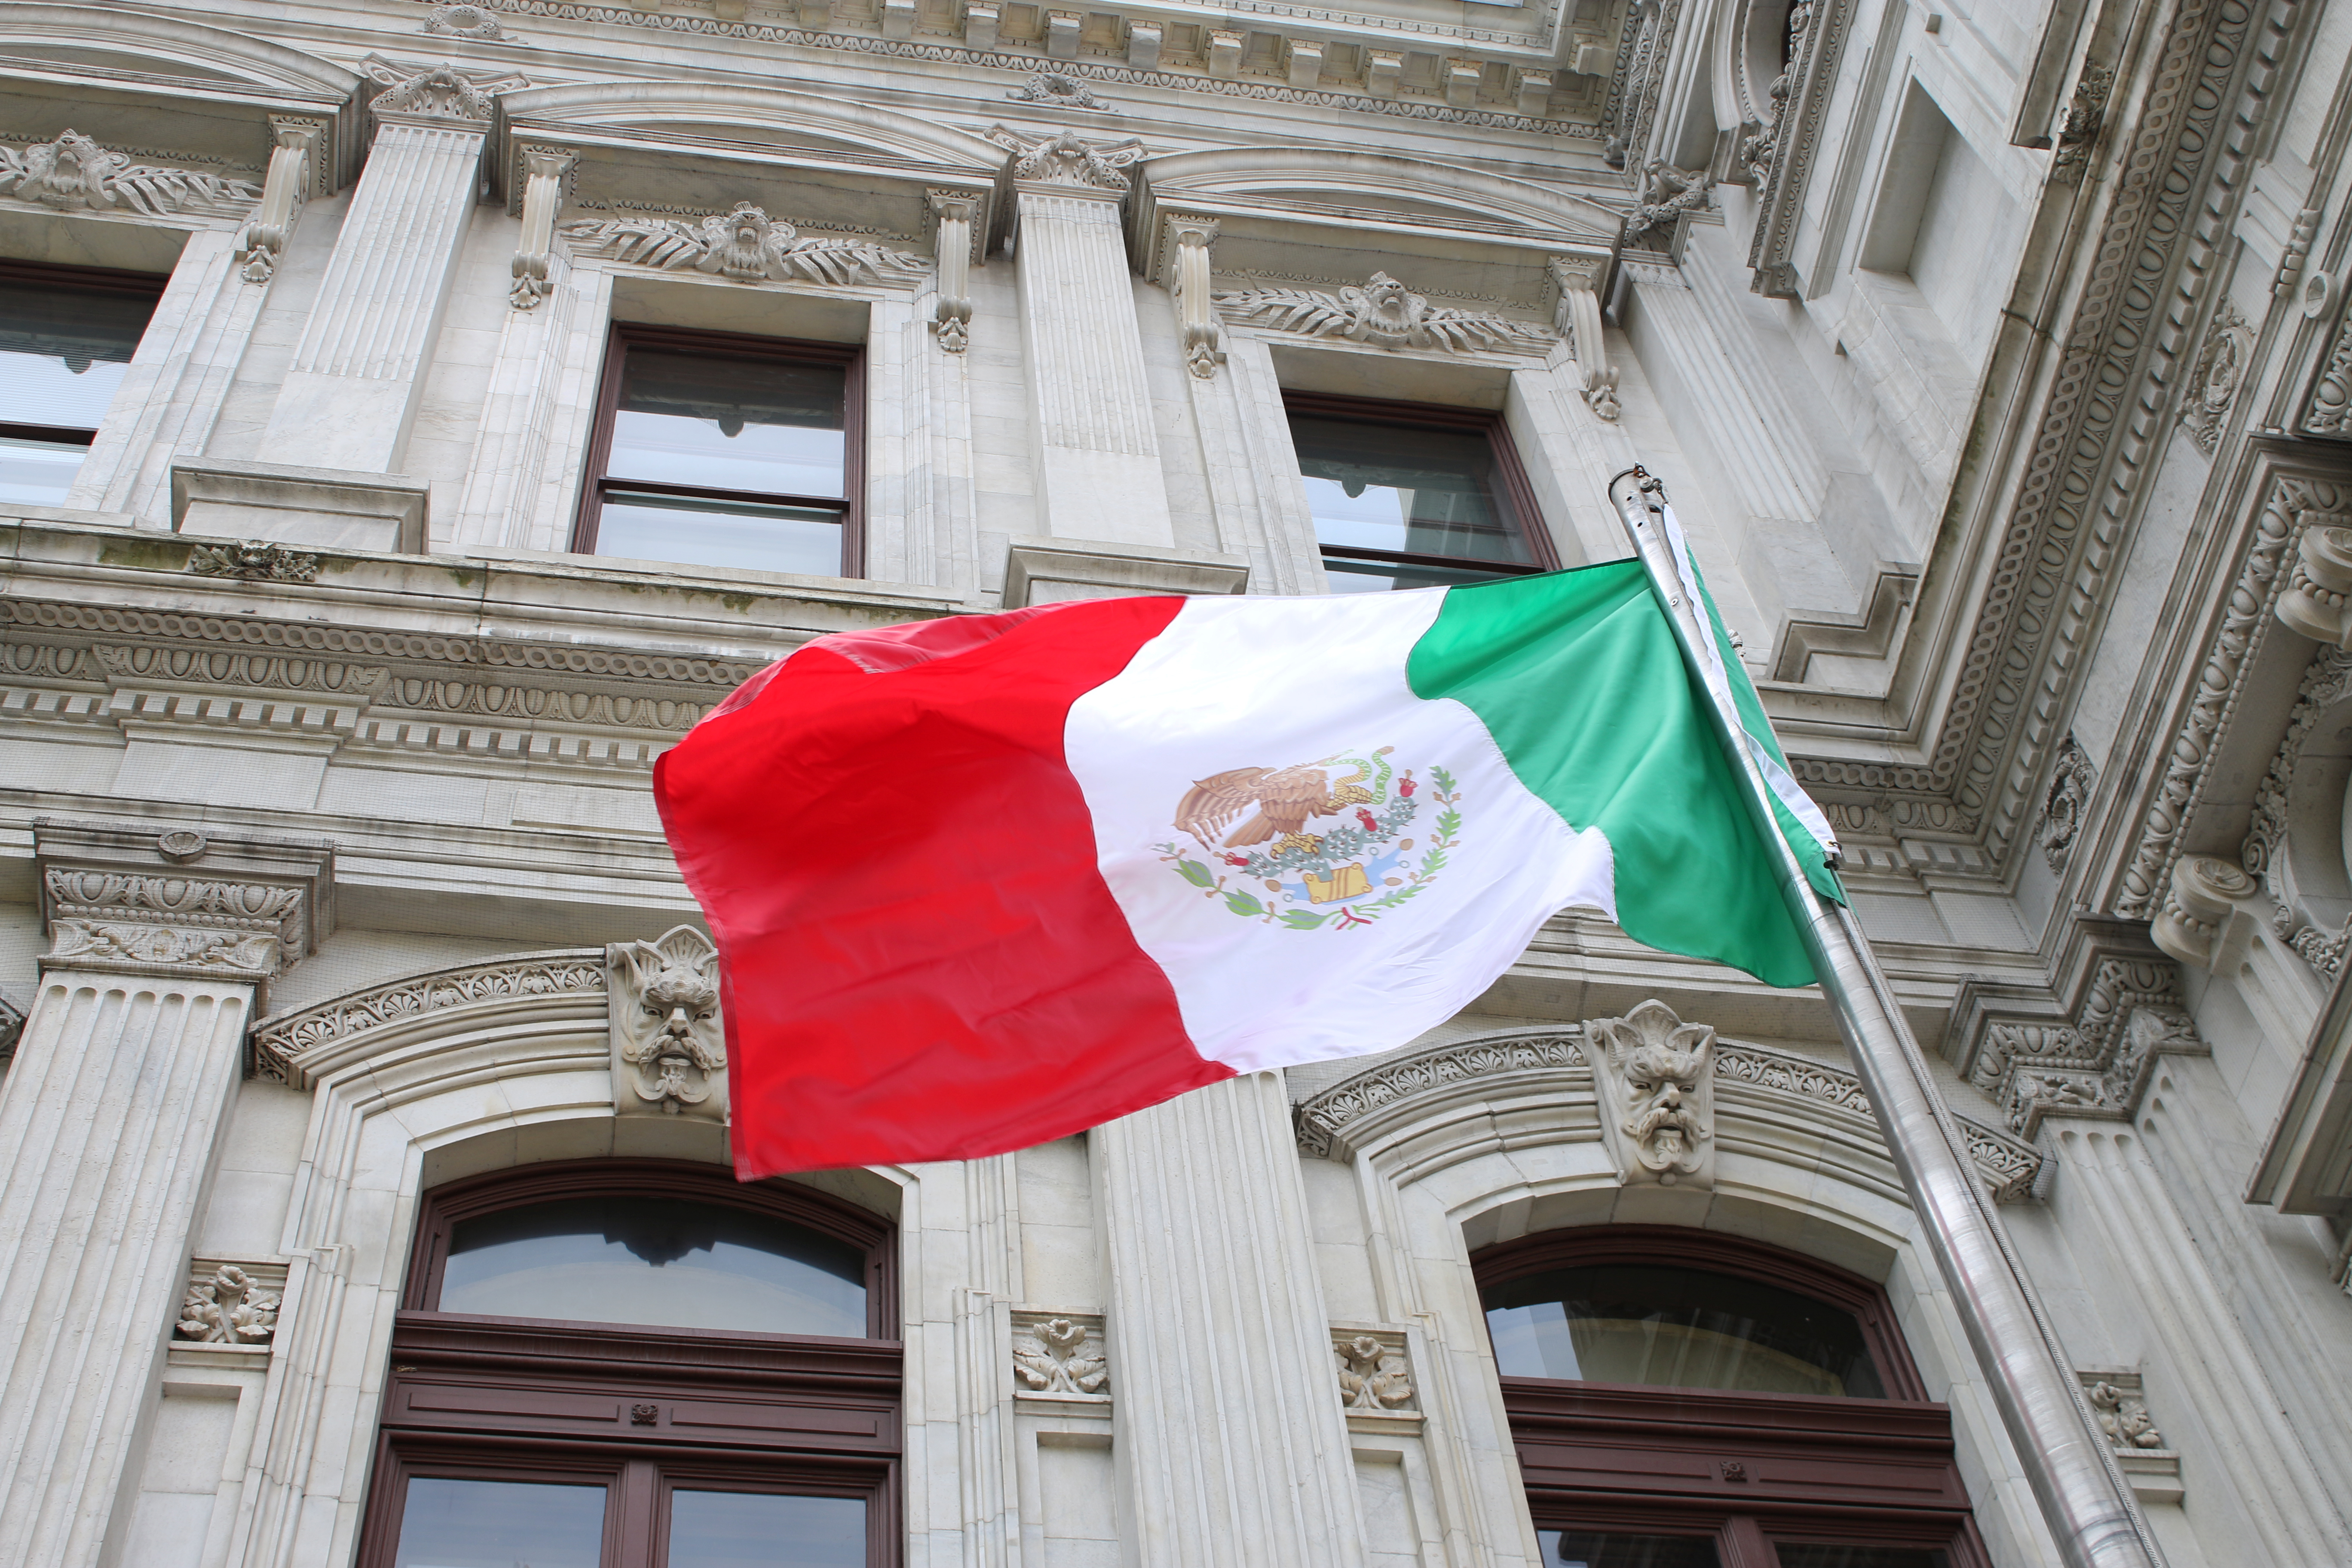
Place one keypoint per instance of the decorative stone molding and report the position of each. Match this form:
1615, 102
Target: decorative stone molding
1375, 1372
1780, 156
2119, 1402
1655, 1078
1322, 1123
2096, 1064
227, 1306
1190, 285
952, 213
2328, 410
546, 180
2010, 1166
2202, 922
296, 144
12, 1027
669, 1047
1055, 87
2064, 802
1067, 163
114, 902
1383, 313
2319, 584
746, 246
1049, 570
2079, 128
2291, 507
337, 508
1060, 1355
431, 91
2325, 684
466, 22
74, 173
282, 1046
254, 561
1576, 317
2221, 362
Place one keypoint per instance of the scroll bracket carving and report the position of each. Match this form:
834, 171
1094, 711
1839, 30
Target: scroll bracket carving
952, 213
1577, 317
1190, 283
546, 179
293, 154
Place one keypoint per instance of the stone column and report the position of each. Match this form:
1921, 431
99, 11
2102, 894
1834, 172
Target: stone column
1229, 1435
123, 1081
349, 398
1098, 470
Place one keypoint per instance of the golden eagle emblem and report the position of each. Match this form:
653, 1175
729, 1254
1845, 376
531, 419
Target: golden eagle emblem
1287, 800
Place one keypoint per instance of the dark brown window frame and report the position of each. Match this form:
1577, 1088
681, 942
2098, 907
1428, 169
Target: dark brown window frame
625, 335
642, 1410
1744, 1468
1510, 473
86, 280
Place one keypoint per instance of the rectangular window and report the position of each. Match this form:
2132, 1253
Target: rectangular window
1407, 495
66, 335
716, 451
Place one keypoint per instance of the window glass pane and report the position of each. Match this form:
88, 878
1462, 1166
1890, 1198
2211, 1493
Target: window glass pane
1421, 492
63, 352
497, 1524
655, 1260
1681, 1328
39, 472
1379, 576
765, 1530
1614, 1549
720, 533
1842, 1556
764, 425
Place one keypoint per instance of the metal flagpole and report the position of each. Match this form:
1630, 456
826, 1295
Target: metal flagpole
2085, 1499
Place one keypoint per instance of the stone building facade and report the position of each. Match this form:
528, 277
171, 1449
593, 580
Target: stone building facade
1997, 358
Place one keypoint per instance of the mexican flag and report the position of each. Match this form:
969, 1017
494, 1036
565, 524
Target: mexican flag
987, 881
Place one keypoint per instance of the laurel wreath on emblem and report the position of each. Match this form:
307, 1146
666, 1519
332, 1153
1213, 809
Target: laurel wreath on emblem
1345, 876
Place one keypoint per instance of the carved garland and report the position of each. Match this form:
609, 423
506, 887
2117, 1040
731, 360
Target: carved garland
745, 245
74, 173
1383, 313
2047, 575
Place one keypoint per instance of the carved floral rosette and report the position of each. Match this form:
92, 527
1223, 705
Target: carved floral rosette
1374, 1368
1060, 1355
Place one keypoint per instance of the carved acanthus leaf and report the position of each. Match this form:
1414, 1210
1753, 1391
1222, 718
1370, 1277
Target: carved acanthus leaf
1383, 313
1375, 1377
1067, 158
437, 90
745, 244
1059, 1356
230, 1309
74, 173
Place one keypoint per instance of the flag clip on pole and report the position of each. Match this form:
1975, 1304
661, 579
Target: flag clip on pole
2085, 1497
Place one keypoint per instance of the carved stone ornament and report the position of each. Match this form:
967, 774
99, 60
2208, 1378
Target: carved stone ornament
74, 173
11, 1027
952, 213
670, 1048
2062, 805
254, 561
2220, 367
126, 921
282, 1043
1655, 1078
2119, 1402
1059, 1356
2201, 922
437, 90
2266, 851
2078, 129
745, 244
294, 145
1667, 193
2319, 585
2098, 1064
466, 22
227, 1310
1383, 313
1069, 160
1375, 1378
1052, 87
1577, 316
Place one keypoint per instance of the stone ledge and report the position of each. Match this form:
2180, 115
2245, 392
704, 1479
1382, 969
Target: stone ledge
334, 508
1053, 570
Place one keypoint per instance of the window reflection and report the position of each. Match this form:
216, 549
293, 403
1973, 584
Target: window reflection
1615, 1549
498, 1524
64, 354
765, 1530
1381, 491
669, 1262
1683, 1327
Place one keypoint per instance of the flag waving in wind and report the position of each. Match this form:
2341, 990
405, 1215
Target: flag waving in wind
984, 881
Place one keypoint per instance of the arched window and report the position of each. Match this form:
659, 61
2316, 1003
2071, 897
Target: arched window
640, 1365
1680, 1399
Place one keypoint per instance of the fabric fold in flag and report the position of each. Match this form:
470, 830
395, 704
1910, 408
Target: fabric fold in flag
984, 881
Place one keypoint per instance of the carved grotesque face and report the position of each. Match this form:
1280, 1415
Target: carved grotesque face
680, 997
1660, 1082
